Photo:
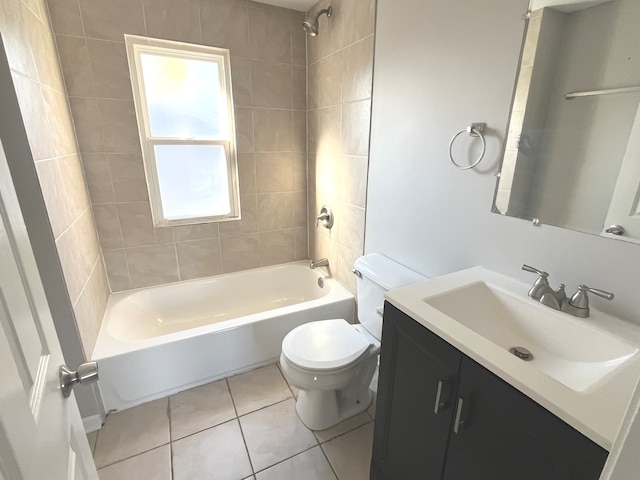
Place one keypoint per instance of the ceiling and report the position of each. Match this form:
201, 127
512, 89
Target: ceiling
300, 5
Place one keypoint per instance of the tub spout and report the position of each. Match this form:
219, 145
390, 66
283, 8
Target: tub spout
323, 262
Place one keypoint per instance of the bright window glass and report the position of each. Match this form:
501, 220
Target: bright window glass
183, 103
192, 180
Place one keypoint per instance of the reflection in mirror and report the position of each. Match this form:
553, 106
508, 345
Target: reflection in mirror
572, 153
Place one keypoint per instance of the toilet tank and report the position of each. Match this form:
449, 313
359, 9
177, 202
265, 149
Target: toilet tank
379, 274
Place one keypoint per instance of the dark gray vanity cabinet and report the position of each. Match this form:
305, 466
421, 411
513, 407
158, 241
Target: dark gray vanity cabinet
484, 428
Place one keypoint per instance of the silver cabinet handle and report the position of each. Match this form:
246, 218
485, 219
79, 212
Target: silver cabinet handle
438, 405
458, 423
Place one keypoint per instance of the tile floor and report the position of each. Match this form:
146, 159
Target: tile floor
242, 427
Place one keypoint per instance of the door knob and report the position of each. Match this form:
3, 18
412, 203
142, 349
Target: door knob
616, 230
87, 373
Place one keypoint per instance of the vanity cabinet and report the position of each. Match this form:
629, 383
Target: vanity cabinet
441, 415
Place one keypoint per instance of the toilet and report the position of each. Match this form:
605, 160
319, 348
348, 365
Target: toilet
332, 362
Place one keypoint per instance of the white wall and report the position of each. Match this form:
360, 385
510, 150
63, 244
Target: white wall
438, 67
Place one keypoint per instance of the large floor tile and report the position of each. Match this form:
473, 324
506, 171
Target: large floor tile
132, 431
350, 454
258, 388
152, 465
274, 434
309, 465
218, 452
343, 427
199, 408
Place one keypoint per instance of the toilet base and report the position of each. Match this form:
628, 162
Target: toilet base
322, 409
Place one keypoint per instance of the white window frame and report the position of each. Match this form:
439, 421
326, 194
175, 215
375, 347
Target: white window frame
137, 45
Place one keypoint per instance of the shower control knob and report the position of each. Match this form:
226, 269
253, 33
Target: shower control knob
87, 373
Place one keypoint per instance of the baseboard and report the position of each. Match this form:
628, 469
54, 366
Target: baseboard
92, 423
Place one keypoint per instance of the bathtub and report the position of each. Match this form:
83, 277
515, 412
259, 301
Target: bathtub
161, 340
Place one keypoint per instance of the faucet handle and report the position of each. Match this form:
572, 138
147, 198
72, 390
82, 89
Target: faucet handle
581, 300
527, 268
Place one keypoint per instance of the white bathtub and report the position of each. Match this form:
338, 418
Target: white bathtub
160, 340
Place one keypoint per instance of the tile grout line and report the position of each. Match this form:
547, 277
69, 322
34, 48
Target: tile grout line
244, 440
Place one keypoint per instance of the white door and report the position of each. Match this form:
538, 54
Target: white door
41, 432
624, 209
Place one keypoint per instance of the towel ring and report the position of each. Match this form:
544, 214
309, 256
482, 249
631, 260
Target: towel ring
474, 130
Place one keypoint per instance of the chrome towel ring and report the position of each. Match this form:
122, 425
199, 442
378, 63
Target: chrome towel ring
474, 130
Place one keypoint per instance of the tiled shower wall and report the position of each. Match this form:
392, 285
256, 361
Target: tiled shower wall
268, 62
43, 103
340, 64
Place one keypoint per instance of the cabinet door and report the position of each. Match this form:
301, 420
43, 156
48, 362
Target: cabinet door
416, 387
506, 435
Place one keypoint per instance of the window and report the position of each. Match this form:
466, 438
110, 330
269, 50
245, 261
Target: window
184, 107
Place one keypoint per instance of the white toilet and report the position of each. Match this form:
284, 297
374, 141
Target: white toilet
332, 362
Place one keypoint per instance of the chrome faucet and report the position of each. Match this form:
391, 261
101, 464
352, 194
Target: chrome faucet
577, 305
323, 262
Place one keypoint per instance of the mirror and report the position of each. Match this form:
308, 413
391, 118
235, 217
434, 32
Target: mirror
572, 151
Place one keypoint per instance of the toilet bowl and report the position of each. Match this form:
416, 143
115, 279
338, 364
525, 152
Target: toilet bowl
332, 362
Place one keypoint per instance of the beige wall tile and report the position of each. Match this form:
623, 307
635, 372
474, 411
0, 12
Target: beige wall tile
63, 189
108, 226
299, 171
343, 269
276, 211
76, 65
43, 49
353, 180
127, 173
244, 130
271, 84
359, 20
115, 262
60, 132
249, 221
14, 33
98, 175
247, 173
270, 35
137, 226
241, 80
300, 208
198, 231
173, 20
357, 83
325, 80
78, 250
356, 122
240, 252
273, 130
86, 117
299, 132
299, 87
350, 226
110, 69
90, 307
152, 265
111, 20
274, 172
301, 243
119, 126
199, 258
226, 25
277, 247
324, 130
298, 40
34, 115
65, 17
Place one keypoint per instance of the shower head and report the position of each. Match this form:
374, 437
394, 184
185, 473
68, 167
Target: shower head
310, 24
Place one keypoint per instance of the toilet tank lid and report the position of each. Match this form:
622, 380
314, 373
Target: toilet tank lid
386, 272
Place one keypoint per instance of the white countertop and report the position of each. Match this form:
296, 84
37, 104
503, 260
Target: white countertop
596, 412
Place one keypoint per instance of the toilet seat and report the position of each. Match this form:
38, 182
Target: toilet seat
325, 345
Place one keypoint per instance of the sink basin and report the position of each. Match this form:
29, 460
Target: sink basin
568, 349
